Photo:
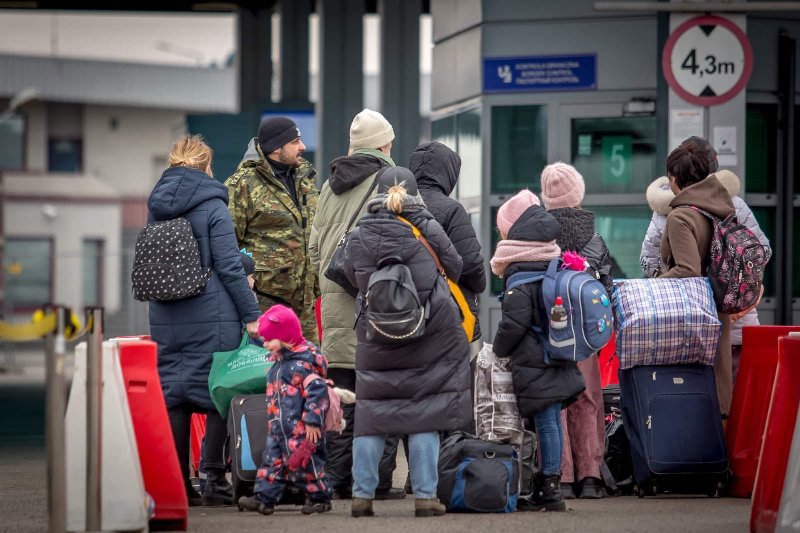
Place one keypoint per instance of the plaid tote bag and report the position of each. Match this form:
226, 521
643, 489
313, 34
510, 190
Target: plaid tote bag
665, 322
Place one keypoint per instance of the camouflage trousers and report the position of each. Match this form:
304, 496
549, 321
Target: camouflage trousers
305, 312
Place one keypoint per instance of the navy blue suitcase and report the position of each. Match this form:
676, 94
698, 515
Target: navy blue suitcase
672, 418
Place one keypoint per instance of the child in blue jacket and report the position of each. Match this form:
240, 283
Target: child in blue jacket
295, 450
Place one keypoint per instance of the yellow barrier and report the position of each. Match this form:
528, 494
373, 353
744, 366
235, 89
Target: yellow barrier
42, 324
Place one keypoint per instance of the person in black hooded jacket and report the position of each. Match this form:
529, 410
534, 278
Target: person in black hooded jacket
542, 388
563, 189
437, 168
421, 386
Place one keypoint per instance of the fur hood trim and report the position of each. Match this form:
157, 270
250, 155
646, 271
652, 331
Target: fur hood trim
659, 194
730, 181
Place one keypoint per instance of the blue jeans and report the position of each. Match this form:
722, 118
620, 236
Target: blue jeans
423, 462
548, 429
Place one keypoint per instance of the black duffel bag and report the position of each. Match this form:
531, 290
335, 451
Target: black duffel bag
477, 475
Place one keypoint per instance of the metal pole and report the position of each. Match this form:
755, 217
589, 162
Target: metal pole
55, 401
94, 417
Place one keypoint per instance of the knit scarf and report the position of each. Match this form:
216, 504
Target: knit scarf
410, 203
509, 251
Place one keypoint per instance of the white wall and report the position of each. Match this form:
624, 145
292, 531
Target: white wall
123, 156
72, 223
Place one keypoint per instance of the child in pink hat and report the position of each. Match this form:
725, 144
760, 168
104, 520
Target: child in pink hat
563, 189
529, 244
295, 416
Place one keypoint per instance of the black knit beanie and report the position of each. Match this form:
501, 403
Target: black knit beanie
274, 132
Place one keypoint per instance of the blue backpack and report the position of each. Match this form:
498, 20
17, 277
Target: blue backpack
589, 313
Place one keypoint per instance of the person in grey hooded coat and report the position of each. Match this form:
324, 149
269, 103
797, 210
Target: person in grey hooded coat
659, 196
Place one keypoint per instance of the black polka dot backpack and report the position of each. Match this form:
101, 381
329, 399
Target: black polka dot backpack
166, 263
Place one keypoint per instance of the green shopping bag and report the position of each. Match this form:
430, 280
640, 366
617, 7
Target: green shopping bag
240, 371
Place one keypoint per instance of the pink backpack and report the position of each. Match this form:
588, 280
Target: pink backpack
334, 418
736, 263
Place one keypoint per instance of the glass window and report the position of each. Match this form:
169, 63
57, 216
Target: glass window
92, 272
12, 143
762, 148
469, 148
444, 131
615, 155
65, 155
28, 268
623, 228
519, 147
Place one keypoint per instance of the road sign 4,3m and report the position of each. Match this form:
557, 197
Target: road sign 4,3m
707, 60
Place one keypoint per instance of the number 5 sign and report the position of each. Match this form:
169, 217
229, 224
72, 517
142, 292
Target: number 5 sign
707, 60
616, 159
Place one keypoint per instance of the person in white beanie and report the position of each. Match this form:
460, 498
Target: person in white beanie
346, 193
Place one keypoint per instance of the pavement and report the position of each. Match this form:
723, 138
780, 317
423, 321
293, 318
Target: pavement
23, 482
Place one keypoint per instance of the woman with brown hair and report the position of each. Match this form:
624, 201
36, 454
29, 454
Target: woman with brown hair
190, 330
686, 242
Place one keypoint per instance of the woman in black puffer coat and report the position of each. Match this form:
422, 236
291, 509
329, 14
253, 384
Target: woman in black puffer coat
419, 387
437, 168
542, 389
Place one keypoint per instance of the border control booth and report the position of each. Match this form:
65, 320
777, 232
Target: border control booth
517, 85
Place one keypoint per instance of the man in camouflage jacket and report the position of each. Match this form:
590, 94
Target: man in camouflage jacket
272, 201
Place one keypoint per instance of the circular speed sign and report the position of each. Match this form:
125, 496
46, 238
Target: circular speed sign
707, 60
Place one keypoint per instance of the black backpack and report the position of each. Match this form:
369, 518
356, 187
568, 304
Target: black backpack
166, 262
393, 311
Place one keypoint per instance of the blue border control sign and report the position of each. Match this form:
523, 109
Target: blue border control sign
540, 73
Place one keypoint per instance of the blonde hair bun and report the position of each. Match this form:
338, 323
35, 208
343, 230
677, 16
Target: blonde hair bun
190, 151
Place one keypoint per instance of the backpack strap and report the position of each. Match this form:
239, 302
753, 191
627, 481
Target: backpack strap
311, 377
424, 242
523, 278
549, 288
363, 201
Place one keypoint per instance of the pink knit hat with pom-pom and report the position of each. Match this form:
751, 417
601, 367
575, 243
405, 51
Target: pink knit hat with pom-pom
562, 186
510, 211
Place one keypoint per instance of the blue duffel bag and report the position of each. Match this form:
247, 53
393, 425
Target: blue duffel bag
477, 476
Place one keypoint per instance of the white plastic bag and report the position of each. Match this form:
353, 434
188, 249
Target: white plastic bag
497, 417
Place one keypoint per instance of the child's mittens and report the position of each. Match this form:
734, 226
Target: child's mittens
301, 455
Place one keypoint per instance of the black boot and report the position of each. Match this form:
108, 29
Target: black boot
311, 507
193, 496
546, 495
251, 503
218, 491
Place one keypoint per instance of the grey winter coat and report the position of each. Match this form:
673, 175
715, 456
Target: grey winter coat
188, 331
659, 196
423, 385
436, 168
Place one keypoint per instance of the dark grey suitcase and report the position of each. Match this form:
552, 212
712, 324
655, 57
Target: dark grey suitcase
247, 431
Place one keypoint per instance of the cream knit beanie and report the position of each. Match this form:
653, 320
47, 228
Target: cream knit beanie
370, 129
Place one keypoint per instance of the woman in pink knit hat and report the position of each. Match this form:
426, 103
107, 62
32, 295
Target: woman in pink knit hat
529, 243
563, 189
